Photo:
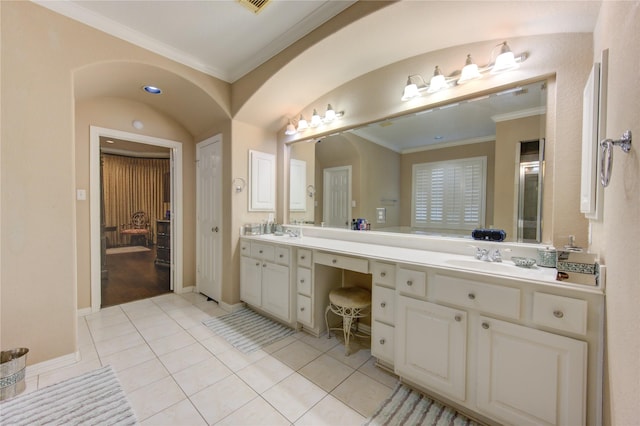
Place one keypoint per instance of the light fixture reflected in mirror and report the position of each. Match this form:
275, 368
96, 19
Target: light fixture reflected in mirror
316, 121
437, 82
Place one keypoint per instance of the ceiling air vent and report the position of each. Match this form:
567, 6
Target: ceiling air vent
254, 5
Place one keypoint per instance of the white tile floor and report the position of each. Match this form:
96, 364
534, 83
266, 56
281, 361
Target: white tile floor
175, 371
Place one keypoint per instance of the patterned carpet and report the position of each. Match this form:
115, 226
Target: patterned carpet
247, 330
408, 407
94, 398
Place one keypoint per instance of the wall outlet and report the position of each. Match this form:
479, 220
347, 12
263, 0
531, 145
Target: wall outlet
381, 215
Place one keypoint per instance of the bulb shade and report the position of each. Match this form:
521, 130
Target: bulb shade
410, 91
330, 115
505, 61
290, 130
315, 119
469, 72
437, 82
302, 124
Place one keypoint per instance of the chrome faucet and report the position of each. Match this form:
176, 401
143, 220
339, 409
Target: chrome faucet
292, 233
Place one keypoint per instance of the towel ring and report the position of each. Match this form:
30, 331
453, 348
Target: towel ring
606, 155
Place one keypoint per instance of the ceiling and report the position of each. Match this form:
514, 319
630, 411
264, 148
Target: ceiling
226, 40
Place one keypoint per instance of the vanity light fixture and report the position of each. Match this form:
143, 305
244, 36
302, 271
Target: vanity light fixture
316, 121
505, 61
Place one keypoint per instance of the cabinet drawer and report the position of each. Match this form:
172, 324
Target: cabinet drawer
559, 312
383, 273
488, 298
282, 255
382, 341
383, 304
245, 248
263, 251
412, 282
304, 258
304, 281
304, 310
343, 262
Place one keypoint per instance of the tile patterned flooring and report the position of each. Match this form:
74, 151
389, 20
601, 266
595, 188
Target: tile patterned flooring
175, 371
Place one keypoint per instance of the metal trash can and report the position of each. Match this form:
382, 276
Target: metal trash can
12, 369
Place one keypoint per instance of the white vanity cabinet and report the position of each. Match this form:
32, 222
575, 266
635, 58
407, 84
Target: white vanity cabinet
499, 347
265, 279
304, 287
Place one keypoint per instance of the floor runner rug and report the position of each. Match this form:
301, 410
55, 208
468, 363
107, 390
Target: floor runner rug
247, 330
94, 398
128, 249
408, 407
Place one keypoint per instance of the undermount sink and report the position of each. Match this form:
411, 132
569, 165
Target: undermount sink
483, 266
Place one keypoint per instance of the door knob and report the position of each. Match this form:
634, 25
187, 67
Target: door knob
216, 229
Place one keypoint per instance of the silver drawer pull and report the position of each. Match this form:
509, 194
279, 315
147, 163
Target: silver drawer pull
383, 304
260, 252
409, 283
382, 341
244, 248
383, 274
458, 317
302, 309
303, 257
485, 325
558, 314
257, 263
334, 261
302, 281
264, 265
471, 296
281, 256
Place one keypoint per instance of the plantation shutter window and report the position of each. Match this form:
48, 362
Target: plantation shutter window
449, 194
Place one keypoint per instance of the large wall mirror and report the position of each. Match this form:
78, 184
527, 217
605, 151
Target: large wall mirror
476, 163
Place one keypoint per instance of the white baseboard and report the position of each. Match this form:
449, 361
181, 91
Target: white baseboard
231, 308
188, 289
52, 364
84, 312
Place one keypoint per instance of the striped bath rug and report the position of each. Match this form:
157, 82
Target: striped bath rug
247, 330
94, 398
408, 407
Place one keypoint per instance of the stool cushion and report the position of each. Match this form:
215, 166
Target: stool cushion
350, 297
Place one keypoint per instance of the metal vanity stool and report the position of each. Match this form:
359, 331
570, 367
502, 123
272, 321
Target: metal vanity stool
350, 303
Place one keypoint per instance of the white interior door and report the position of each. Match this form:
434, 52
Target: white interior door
209, 217
336, 206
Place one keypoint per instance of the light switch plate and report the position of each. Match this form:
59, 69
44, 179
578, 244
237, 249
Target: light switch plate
81, 194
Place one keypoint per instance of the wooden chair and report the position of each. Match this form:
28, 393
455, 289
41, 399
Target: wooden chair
138, 230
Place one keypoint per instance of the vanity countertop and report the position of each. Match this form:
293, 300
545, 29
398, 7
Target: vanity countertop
428, 258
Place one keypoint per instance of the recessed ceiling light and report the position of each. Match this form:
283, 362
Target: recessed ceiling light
152, 89
438, 138
109, 141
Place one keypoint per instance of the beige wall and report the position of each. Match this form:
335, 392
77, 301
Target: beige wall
483, 149
41, 219
617, 236
117, 114
508, 136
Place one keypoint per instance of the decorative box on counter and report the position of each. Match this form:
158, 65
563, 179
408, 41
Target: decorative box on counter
252, 229
578, 267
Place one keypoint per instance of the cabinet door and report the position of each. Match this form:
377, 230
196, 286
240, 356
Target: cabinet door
528, 376
250, 288
431, 346
276, 289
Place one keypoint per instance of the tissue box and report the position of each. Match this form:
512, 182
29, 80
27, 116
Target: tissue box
577, 267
